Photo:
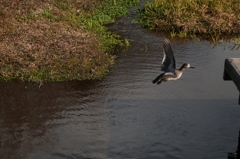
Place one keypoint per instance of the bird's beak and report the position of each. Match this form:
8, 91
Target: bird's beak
191, 67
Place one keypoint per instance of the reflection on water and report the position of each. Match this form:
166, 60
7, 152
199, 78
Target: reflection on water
125, 115
160, 131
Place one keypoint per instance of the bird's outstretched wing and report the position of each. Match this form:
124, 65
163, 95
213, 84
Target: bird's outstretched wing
168, 62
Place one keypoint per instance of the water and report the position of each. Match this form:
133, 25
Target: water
125, 116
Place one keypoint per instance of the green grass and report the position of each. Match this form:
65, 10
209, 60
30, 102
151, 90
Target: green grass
106, 13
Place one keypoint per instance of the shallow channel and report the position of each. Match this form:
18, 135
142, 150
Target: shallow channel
125, 116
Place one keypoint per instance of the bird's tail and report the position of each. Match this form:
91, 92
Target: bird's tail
157, 79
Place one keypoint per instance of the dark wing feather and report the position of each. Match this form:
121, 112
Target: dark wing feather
168, 63
158, 78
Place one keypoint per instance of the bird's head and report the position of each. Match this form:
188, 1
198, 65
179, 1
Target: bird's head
186, 65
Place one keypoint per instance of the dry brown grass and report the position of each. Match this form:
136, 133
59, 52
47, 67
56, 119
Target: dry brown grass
188, 17
36, 48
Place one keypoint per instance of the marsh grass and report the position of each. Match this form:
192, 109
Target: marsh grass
213, 19
58, 40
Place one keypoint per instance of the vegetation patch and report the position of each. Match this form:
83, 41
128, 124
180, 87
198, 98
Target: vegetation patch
215, 19
50, 52
58, 40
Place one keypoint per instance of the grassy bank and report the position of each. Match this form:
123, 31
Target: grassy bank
213, 19
58, 40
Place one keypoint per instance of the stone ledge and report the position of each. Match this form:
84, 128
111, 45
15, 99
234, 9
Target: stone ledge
232, 72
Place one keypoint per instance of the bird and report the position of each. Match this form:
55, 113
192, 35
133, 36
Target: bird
168, 65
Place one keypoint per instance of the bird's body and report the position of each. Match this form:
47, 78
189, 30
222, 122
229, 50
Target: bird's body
169, 65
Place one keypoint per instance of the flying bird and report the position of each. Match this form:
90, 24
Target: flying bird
169, 65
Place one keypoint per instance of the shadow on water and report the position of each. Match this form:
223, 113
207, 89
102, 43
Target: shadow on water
125, 115
30, 116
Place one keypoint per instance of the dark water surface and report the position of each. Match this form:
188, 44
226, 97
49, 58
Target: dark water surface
125, 116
